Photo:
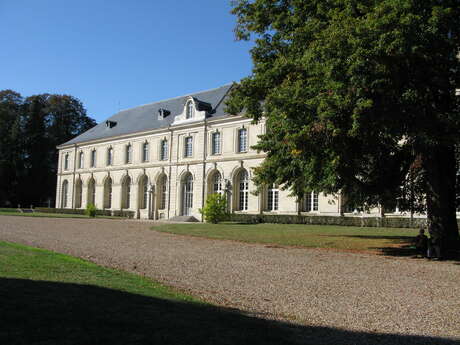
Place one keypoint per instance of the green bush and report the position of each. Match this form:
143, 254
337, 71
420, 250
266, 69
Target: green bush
215, 209
91, 210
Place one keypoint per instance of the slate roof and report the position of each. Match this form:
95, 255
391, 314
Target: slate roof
145, 117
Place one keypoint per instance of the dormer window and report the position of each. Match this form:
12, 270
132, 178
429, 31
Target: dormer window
110, 124
162, 113
190, 110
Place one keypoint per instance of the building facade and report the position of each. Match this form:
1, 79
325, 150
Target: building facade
161, 160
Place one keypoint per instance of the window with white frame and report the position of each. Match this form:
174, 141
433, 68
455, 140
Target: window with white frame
145, 152
65, 191
215, 145
93, 158
81, 159
272, 198
217, 183
129, 154
66, 161
310, 202
190, 110
163, 150
110, 156
243, 190
242, 140
188, 146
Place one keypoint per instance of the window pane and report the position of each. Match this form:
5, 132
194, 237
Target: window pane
188, 147
216, 143
242, 140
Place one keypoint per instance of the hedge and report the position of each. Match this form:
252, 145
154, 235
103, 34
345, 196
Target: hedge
386, 222
107, 213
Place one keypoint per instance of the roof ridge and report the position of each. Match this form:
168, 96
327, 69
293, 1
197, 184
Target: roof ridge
173, 98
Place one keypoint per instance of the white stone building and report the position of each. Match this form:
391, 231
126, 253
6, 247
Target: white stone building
162, 159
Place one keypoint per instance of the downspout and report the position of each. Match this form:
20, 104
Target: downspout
170, 168
205, 151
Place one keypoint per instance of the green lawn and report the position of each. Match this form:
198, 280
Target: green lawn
312, 236
50, 298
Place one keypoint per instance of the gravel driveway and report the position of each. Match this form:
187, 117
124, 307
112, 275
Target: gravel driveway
353, 292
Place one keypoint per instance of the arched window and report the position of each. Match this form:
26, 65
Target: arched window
272, 198
81, 159
91, 192
310, 202
108, 193
216, 186
78, 193
66, 161
187, 195
143, 192
110, 156
64, 191
243, 190
126, 192
162, 191
129, 154
190, 110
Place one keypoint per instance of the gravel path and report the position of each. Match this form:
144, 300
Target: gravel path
353, 292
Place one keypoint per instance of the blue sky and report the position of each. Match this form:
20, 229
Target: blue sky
118, 54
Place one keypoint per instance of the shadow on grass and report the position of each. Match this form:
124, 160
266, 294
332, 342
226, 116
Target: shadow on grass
44, 312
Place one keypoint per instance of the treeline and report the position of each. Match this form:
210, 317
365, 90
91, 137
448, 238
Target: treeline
30, 130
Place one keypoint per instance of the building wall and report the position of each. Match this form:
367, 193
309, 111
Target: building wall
201, 165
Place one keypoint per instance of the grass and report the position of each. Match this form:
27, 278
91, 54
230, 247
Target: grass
310, 236
51, 298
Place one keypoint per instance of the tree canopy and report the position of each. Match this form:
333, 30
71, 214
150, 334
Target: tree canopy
30, 130
358, 97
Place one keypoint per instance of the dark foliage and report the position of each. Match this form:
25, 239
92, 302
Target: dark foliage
30, 130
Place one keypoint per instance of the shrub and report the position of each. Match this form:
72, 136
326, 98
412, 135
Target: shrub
91, 210
215, 209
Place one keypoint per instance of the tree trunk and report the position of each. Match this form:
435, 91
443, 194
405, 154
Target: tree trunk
440, 166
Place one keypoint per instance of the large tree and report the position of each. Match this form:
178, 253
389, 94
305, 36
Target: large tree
359, 97
30, 130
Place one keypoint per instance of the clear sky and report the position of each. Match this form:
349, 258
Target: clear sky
118, 54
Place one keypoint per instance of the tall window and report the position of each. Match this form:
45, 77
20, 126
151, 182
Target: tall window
217, 183
162, 190
126, 192
108, 193
190, 110
163, 150
242, 140
66, 161
243, 190
129, 154
110, 156
215, 143
188, 149
310, 202
91, 192
81, 159
272, 198
93, 158
78, 193
187, 195
65, 191
145, 152
143, 192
